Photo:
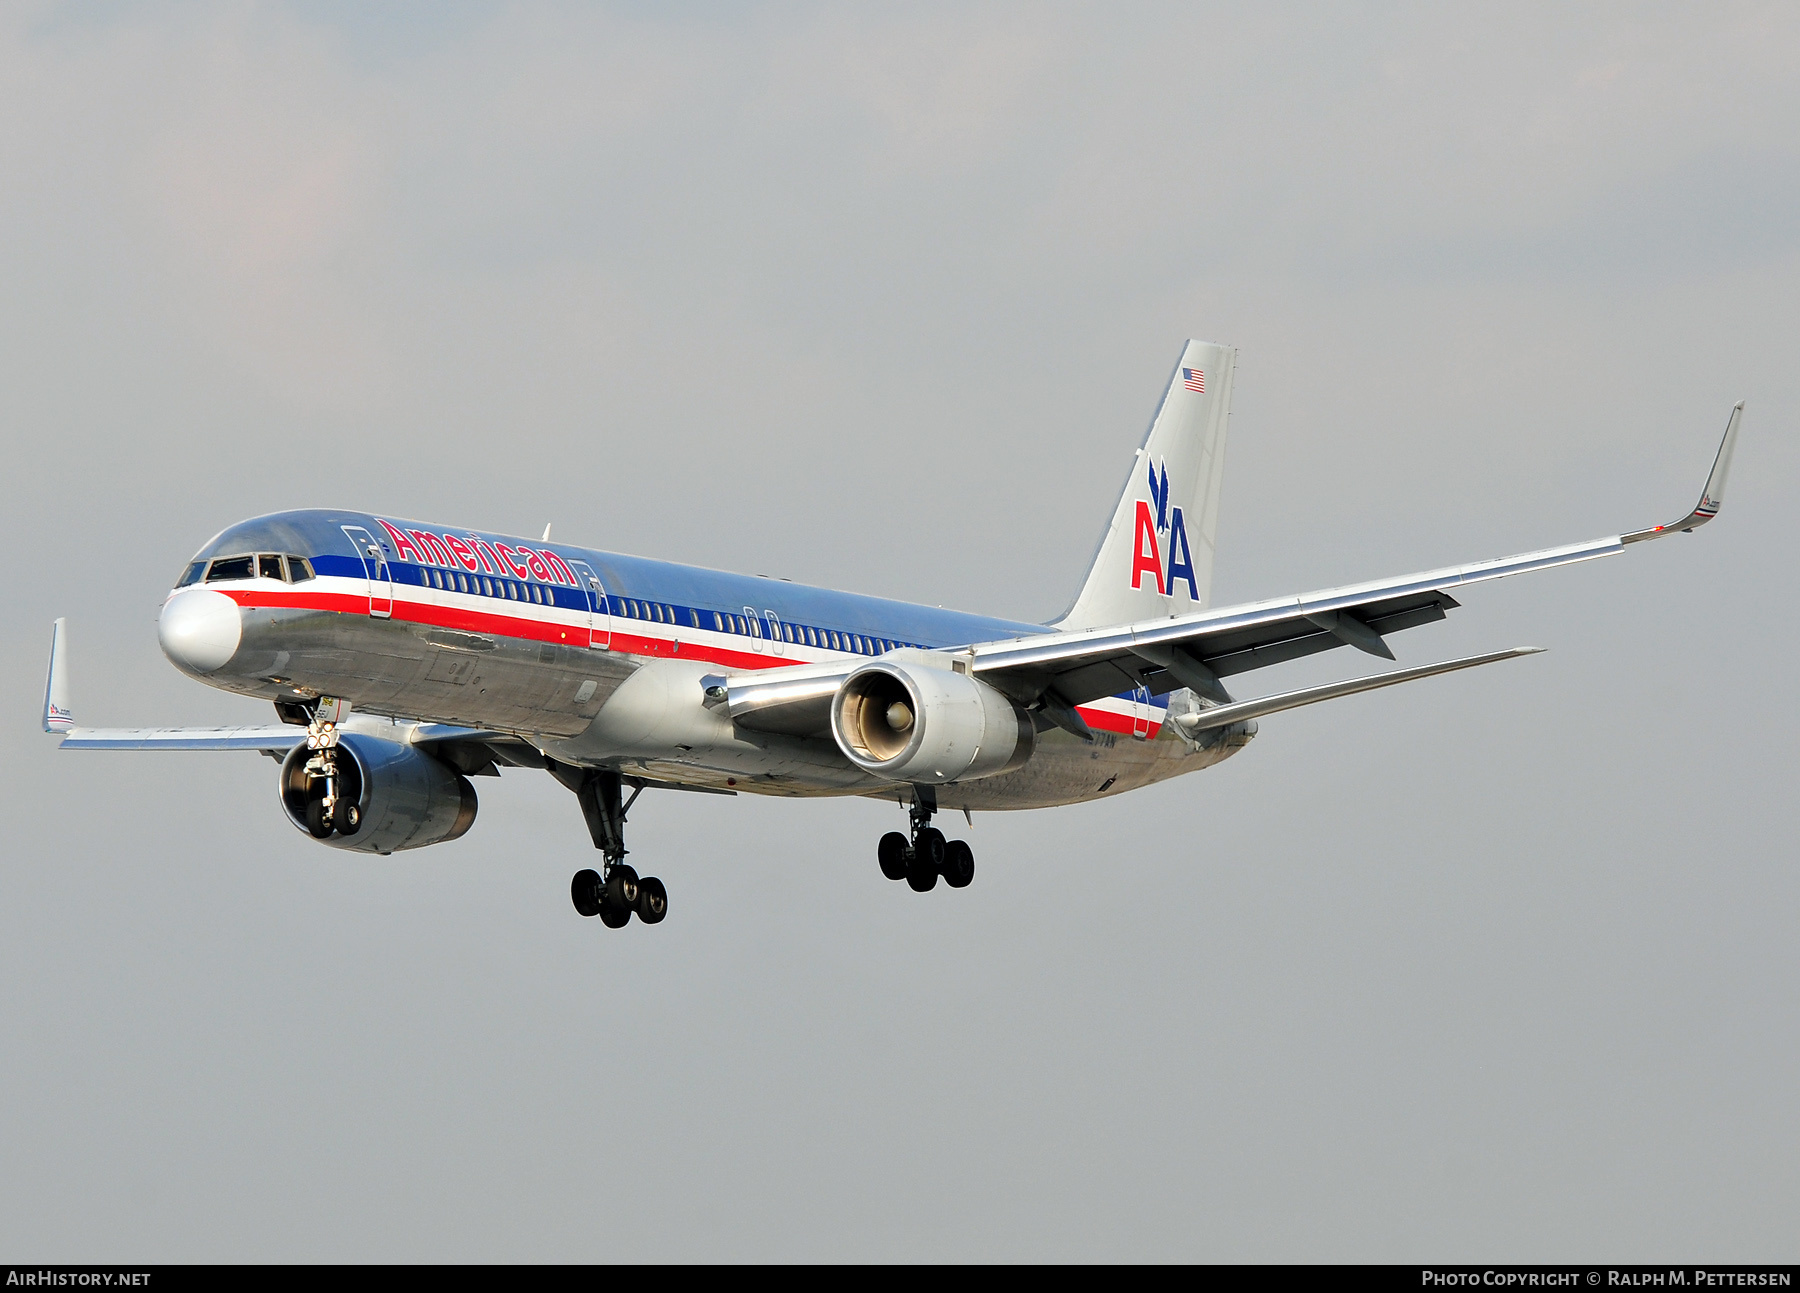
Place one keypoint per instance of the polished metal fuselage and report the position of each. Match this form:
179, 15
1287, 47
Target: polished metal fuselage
631, 698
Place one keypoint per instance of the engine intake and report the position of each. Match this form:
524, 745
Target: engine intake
927, 725
407, 798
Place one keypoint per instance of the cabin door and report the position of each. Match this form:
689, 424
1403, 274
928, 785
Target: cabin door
375, 566
599, 611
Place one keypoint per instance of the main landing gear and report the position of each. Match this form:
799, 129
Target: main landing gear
614, 892
927, 855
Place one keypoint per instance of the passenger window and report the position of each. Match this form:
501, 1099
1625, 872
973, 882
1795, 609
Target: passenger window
299, 569
695, 616
231, 568
812, 639
718, 621
192, 574
268, 565
462, 583
787, 631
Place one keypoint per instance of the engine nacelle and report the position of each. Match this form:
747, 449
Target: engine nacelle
407, 798
926, 725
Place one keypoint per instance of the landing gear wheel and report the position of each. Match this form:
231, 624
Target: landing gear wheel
316, 823
959, 864
653, 900
892, 854
622, 888
612, 917
927, 860
347, 817
584, 889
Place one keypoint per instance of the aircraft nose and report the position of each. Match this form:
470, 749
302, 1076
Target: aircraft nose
199, 629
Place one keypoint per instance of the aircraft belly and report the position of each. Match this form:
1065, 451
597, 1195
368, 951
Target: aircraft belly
609, 708
1066, 770
417, 671
655, 723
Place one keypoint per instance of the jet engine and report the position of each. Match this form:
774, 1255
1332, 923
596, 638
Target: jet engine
927, 725
391, 796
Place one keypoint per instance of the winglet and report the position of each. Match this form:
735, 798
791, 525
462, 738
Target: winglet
58, 716
1711, 498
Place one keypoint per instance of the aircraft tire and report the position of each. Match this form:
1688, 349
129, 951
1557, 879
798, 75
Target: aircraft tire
927, 860
653, 901
347, 817
612, 917
316, 823
584, 890
622, 888
959, 864
891, 853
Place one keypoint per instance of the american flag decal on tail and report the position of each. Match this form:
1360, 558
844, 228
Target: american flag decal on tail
1194, 380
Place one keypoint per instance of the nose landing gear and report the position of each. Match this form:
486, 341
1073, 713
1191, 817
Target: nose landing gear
331, 798
927, 855
613, 893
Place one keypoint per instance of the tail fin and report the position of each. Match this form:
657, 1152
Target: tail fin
1156, 556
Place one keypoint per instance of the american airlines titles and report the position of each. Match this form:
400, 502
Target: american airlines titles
422, 547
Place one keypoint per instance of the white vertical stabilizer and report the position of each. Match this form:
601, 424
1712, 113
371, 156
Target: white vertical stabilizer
1156, 558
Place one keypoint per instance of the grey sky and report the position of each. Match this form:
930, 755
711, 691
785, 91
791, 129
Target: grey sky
1500, 965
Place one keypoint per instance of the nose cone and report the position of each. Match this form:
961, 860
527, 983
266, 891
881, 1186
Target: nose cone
199, 629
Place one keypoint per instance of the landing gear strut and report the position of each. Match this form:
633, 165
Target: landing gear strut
927, 855
336, 809
614, 892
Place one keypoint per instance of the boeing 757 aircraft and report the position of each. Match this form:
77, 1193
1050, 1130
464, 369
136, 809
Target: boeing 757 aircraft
404, 659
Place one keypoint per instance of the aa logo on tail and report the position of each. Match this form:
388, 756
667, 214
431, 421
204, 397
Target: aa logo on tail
1156, 518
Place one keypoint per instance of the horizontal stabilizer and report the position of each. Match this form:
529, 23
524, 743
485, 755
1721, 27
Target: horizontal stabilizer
1226, 715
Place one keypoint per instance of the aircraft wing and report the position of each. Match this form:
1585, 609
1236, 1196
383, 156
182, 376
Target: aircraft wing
275, 739
1053, 672
1056, 671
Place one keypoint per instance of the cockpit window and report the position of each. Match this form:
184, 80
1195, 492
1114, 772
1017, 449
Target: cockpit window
268, 566
299, 568
192, 574
231, 568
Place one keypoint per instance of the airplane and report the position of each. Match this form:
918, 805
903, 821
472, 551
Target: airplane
404, 659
